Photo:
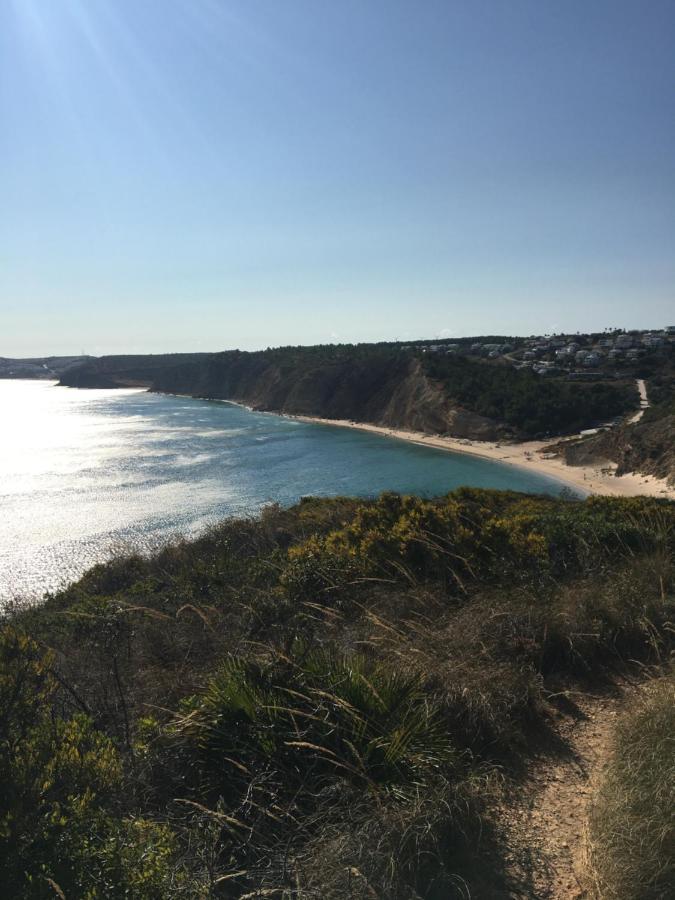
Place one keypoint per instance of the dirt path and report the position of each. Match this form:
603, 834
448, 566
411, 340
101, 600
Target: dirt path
644, 402
546, 826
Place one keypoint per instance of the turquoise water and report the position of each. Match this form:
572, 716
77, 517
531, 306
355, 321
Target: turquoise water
84, 474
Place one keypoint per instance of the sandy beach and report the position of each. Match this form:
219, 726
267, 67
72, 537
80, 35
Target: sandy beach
526, 455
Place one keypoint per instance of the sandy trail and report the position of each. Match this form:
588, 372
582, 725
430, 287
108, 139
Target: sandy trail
546, 828
532, 455
644, 402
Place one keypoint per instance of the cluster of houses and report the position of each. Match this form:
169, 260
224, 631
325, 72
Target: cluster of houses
585, 357
579, 357
491, 351
488, 350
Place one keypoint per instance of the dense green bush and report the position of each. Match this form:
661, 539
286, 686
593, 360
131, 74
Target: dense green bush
57, 776
530, 404
315, 710
461, 538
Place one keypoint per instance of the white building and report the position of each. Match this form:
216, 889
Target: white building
592, 361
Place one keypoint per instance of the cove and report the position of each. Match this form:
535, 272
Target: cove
85, 474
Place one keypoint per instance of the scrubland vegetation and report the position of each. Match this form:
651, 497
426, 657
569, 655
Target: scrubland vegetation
323, 702
529, 404
646, 446
633, 820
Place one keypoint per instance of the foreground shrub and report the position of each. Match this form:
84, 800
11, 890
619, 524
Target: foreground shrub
57, 775
319, 702
633, 818
408, 540
319, 710
473, 535
291, 755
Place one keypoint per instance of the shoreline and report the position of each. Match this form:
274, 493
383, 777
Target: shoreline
527, 455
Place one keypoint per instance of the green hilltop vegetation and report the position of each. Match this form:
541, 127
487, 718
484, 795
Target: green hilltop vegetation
525, 402
330, 701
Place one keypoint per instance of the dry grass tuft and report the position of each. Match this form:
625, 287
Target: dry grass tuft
633, 817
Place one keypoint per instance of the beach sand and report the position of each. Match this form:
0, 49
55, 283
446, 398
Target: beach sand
527, 455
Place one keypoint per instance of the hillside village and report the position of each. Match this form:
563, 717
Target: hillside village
587, 357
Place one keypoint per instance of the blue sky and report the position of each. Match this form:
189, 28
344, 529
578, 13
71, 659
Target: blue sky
205, 174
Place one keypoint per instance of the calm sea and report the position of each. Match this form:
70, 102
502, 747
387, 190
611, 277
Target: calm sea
85, 474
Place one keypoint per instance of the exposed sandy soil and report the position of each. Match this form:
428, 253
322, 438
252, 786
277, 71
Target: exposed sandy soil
532, 455
545, 825
644, 402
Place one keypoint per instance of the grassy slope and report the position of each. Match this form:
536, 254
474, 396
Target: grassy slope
322, 701
633, 818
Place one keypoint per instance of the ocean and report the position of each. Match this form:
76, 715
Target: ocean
85, 474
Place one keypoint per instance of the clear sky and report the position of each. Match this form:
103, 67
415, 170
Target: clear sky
206, 174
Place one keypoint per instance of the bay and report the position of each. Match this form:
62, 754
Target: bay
85, 474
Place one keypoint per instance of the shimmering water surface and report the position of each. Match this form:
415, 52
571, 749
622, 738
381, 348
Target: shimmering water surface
86, 473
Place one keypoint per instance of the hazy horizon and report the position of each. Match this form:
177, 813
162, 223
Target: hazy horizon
412, 340
207, 174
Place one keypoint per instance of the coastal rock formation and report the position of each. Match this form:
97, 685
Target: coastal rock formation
386, 388
130, 371
381, 384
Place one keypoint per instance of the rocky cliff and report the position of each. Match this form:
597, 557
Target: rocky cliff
383, 384
132, 371
385, 388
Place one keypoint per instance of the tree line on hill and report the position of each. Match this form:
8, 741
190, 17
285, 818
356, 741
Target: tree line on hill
530, 404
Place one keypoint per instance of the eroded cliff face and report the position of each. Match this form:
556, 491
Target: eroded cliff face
390, 390
419, 404
647, 447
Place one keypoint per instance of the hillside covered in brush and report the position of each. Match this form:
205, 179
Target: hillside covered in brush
328, 701
646, 446
383, 384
